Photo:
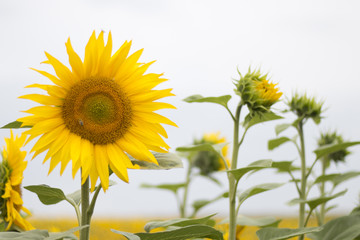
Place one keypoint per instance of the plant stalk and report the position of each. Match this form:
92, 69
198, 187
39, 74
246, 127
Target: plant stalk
85, 220
322, 193
186, 190
303, 178
232, 180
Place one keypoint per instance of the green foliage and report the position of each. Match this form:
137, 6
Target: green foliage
284, 166
251, 120
342, 228
47, 194
165, 160
222, 100
15, 124
183, 233
284, 233
337, 178
171, 187
199, 204
257, 165
40, 235
306, 107
274, 143
256, 190
313, 203
282, 127
180, 222
331, 148
257, 222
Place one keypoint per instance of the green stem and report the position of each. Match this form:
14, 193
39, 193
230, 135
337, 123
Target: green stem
186, 190
232, 180
90, 210
322, 194
303, 178
77, 210
85, 192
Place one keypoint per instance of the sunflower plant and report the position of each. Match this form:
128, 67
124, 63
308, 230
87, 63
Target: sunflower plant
331, 147
258, 94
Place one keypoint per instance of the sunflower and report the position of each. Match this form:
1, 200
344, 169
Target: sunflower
11, 173
98, 112
207, 161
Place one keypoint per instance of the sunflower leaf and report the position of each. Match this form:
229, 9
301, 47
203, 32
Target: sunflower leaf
313, 203
65, 235
222, 100
342, 228
259, 118
257, 165
257, 190
274, 143
272, 233
171, 187
180, 222
281, 127
165, 160
183, 233
15, 124
330, 148
29, 235
47, 194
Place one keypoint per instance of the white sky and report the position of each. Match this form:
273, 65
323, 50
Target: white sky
306, 45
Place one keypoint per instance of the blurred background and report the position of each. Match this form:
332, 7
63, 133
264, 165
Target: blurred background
306, 45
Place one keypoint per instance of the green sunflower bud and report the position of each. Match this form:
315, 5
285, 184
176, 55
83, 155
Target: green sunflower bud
256, 91
306, 107
333, 138
208, 162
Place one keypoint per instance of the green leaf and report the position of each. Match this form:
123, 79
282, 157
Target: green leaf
257, 165
28, 235
282, 127
171, 187
274, 143
283, 233
47, 194
197, 205
342, 228
325, 178
284, 166
313, 203
65, 235
257, 189
344, 177
330, 148
15, 124
255, 222
165, 160
216, 148
264, 117
222, 100
129, 236
184, 233
75, 197
180, 222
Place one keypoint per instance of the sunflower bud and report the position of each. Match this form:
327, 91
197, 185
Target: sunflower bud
333, 138
306, 107
256, 91
209, 162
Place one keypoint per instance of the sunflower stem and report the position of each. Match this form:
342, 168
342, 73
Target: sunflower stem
302, 222
90, 210
186, 190
232, 180
85, 192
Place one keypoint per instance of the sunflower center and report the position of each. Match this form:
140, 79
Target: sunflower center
98, 110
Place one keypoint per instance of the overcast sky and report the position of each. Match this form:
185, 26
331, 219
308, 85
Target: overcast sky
305, 45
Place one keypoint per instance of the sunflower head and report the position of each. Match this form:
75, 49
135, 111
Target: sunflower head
256, 91
11, 175
209, 162
306, 107
333, 138
98, 112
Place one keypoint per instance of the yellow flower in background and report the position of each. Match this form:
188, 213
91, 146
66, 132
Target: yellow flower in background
256, 91
11, 173
98, 111
209, 162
